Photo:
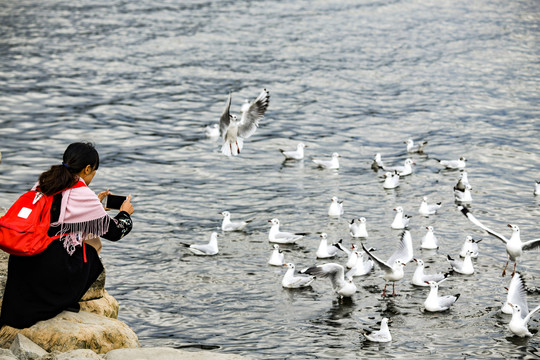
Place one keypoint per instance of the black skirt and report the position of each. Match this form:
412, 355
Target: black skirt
41, 286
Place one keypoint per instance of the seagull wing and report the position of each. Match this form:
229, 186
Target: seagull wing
531, 244
517, 294
404, 251
528, 317
475, 221
252, 114
225, 119
384, 266
331, 270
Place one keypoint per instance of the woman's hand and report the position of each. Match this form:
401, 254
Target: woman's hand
102, 195
126, 206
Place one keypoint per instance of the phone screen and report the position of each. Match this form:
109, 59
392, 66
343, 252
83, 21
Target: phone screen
114, 201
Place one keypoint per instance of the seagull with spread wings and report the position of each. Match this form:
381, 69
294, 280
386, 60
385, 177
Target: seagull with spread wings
234, 131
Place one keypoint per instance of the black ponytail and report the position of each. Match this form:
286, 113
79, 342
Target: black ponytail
76, 157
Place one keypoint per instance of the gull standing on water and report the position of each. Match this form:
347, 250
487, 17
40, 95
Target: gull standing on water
404, 170
415, 148
391, 180
377, 162
429, 241
463, 196
361, 267
454, 164
464, 267
537, 188
205, 249
277, 258
514, 246
228, 225
434, 302
517, 295
520, 319
426, 209
420, 278
462, 182
297, 154
234, 131
327, 251
358, 229
401, 221
343, 287
336, 207
329, 164
381, 335
471, 245
292, 281
282, 237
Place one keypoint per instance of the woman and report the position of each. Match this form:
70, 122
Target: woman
41, 286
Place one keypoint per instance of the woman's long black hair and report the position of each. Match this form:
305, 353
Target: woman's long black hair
76, 157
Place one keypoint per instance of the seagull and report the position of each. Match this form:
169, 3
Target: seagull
353, 256
327, 251
537, 188
234, 131
358, 229
361, 267
277, 258
464, 267
454, 164
393, 267
212, 131
205, 249
514, 246
434, 302
426, 209
415, 148
520, 319
292, 281
463, 196
377, 162
391, 180
404, 170
336, 207
297, 154
471, 245
401, 221
382, 335
343, 287
228, 225
462, 182
420, 278
517, 295
329, 164
282, 237
429, 241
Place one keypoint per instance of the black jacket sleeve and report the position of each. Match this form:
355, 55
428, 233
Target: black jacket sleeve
119, 226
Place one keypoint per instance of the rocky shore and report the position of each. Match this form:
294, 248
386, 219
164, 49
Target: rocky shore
92, 333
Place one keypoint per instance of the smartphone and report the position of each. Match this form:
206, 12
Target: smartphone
114, 201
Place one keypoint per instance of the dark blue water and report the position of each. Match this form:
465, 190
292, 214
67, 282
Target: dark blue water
142, 79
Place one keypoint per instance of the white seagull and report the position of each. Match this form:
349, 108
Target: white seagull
471, 245
537, 188
377, 162
391, 180
517, 295
282, 237
343, 287
228, 225
361, 267
205, 249
415, 148
292, 281
514, 246
336, 207
277, 258
520, 319
426, 209
462, 182
234, 131
353, 256
454, 164
358, 229
393, 267
404, 170
429, 241
420, 278
401, 221
212, 131
463, 196
434, 302
297, 154
326, 251
382, 335
329, 164
464, 267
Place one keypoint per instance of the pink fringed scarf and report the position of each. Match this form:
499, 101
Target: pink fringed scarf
82, 217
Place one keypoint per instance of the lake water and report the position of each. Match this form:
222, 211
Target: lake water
142, 79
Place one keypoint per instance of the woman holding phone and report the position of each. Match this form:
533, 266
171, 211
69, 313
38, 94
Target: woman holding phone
41, 286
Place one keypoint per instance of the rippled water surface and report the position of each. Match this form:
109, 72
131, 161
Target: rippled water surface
141, 79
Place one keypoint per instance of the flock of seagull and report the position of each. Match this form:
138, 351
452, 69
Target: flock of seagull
361, 261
